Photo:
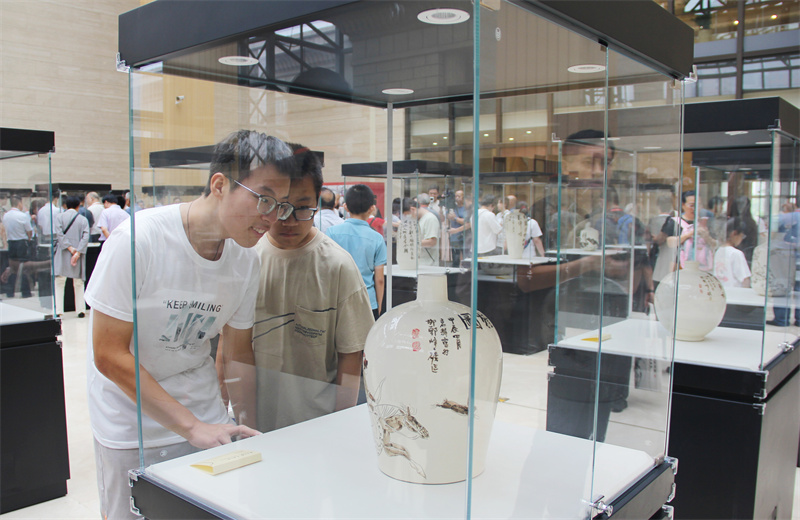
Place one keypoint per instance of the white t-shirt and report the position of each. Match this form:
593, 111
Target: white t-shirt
96, 209
312, 306
533, 231
429, 227
730, 266
44, 217
17, 224
183, 300
488, 229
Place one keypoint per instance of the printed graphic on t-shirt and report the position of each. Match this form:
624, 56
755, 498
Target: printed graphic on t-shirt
188, 323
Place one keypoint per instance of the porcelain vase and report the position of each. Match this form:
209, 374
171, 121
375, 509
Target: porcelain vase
417, 381
514, 225
780, 281
589, 239
407, 243
701, 302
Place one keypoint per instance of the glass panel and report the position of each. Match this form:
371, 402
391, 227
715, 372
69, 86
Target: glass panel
745, 206
711, 19
26, 238
770, 16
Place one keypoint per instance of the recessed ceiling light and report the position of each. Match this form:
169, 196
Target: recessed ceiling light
238, 61
397, 91
443, 16
774, 17
746, 169
586, 68
613, 138
736, 132
652, 148
485, 135
435, 144
527, 131
763, 142
510, 138
444, 137
736, 22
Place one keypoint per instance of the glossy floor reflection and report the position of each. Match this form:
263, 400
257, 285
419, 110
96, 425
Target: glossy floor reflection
520, 403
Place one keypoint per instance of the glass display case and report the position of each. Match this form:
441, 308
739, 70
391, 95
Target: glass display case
555, 117
35, 461
737, 389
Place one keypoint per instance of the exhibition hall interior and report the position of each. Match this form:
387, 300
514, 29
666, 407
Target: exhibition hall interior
533, 259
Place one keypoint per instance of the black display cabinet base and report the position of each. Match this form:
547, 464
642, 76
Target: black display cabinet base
34, 459
735, 433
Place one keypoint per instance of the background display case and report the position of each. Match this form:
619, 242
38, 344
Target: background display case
35, 461
738, 389
564, 106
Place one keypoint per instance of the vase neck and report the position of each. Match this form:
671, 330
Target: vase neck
432, 287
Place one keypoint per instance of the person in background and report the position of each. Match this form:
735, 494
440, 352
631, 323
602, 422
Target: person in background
313, 311
195, 276
69, 261
44, 219
730, 265
429, 231
19, 233
433, 205
662, 257
111, 217
374, 220
533, 240
755, 228
367, 249
457, 227
488, 227
95, 207
327, 215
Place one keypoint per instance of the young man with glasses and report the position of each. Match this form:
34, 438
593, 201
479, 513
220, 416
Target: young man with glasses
195, 277
313, 312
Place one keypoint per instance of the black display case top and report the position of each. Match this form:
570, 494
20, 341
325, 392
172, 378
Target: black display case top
15, 142
377, 43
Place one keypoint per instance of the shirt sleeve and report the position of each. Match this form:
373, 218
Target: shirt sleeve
244, 317
380, 254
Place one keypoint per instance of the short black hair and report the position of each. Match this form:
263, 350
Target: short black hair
243, 151
303, 163
110, 197
359, 199
327, 199
72, 202
735, 225
686, 194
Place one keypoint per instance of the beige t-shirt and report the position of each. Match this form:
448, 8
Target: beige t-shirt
312, 305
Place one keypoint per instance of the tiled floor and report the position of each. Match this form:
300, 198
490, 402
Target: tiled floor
525, 407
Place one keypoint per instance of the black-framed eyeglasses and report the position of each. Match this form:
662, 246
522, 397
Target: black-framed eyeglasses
267, 205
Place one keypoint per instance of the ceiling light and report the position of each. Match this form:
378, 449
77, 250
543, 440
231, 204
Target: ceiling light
527, 131
510, 138
397, 91
774, 17
763, 142
652, 148
586, 68
736, 22
613, 138
736, 132
485, 135
238, 61
443, 16
435, 144
444, 137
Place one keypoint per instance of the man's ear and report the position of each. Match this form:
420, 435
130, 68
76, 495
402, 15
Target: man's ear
218, 183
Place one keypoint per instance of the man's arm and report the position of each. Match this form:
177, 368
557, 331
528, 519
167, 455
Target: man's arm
380, 284
537, 243
348, 380
239, 369
113, 358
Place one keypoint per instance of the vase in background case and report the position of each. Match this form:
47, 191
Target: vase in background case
417, 380
701, 302
407, 243
514, 226
781, 267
